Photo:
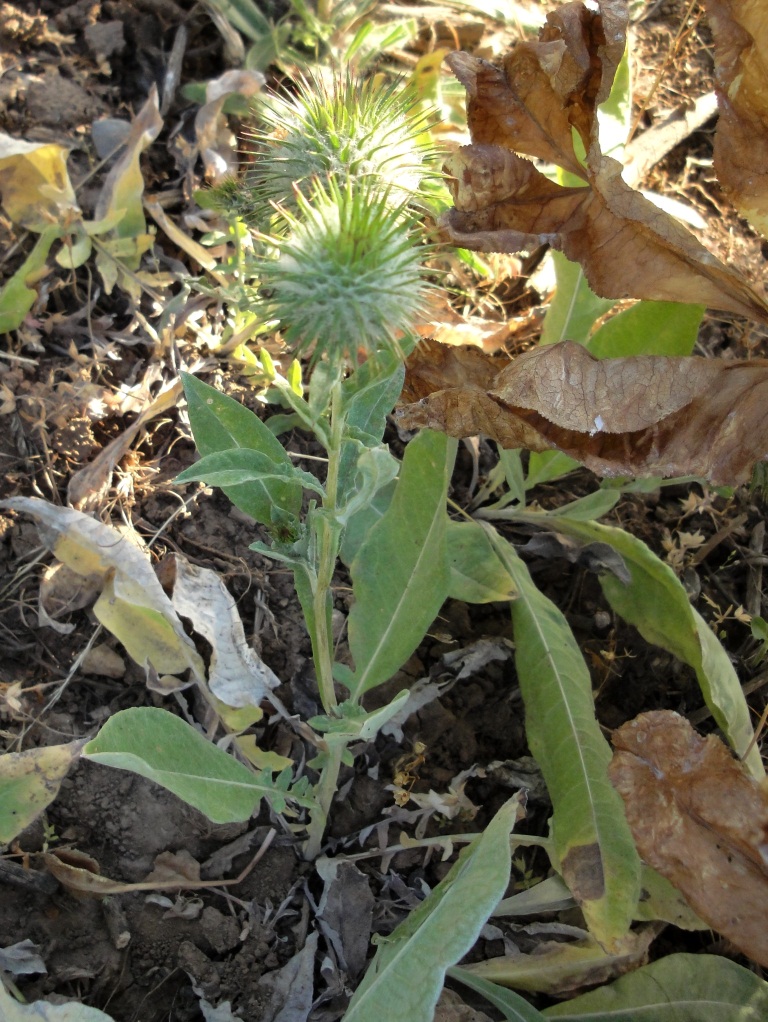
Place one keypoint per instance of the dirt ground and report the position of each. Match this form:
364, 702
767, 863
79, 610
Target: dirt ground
143, 959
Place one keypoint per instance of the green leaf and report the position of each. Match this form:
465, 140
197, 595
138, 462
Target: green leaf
221, 424
75, 254
477, 574
512, 466
244, 15
242, 466
404, 980
614, 115
18, 294
575, 307
156, 744
376, 469
660, 900
649, 328
281, 423
353, 721
598, 859
512, 1006
550, 895
400, 575
656, 603
544, 466
359, 526
30, 781
369, 395
594, 505
679, 988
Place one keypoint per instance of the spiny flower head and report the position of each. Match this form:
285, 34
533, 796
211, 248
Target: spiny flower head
351, 129
349, 276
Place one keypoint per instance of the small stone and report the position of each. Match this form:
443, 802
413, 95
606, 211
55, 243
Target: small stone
221, 932
105, 39
55, 101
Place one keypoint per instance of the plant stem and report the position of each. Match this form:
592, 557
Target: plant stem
327, 536
324, 792
327, 553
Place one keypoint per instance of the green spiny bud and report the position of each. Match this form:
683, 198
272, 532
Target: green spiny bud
349, 275
351, 130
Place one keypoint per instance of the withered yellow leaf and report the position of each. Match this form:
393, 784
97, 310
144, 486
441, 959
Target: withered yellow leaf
132, 605
30, 781
34, 182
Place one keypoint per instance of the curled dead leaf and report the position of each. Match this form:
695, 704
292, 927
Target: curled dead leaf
532, 105
643, 415
565, 969
545, 88
132, 604
740, 31
701, 820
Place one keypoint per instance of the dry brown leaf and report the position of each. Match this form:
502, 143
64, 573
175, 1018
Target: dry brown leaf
564, 969
442, 322
544, 88
740, 31
645, 415
174, 868
81, 874
701, 820
628, 247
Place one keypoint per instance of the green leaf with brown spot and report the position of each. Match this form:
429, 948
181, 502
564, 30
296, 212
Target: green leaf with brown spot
598, 859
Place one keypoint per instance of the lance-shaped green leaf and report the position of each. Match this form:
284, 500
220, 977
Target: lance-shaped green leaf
400, 575
18, 294
243, 466
655, 602
678, 988
404, 980
477, 574
597, 855
156, 744
512, 1006
221, 424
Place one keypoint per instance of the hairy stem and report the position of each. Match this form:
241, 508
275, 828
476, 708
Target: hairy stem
328, 534
327, 537
324, 792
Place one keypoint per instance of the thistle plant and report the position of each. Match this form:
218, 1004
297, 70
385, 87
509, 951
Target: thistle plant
344, 277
